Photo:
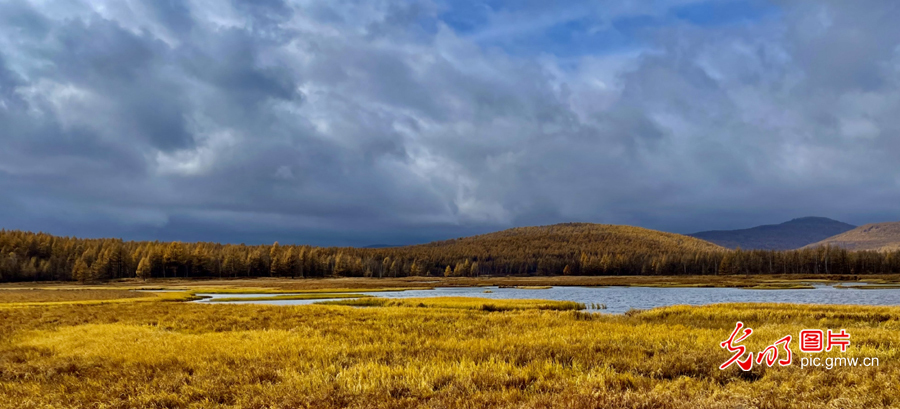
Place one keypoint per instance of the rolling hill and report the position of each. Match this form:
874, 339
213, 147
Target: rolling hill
789, 235
595, 248
577, 237
875, 236
563, 241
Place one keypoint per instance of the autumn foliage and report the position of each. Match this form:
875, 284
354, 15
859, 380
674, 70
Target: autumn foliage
569, 249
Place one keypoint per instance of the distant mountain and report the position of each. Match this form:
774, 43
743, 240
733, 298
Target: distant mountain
875, 236
785, 236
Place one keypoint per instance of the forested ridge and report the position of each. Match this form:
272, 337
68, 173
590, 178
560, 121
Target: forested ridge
570, 249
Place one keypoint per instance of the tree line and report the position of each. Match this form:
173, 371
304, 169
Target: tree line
570, 250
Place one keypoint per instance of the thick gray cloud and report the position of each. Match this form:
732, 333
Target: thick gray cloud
338, 122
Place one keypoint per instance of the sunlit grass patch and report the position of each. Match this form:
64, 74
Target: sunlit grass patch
870, 287
469, 303
185, 355
270, 290
315, 296
781, 286
39, 297
809, 315
59, 295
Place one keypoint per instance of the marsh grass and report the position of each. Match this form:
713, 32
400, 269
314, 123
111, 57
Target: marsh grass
307, 296
748, 284
449, 353
781, 286
262, 290
63, 295
179, 355
466, 303
870, 287
13, 298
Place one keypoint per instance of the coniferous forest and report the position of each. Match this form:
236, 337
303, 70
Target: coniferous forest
566, 249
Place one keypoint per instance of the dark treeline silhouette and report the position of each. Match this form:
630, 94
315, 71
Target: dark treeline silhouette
567, 249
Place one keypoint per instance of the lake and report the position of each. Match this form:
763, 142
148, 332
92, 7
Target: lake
621, 299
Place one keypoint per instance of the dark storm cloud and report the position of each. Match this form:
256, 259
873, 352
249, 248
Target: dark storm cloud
337, 122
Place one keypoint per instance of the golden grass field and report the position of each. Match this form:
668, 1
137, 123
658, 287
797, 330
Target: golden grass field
63, 295
438, 353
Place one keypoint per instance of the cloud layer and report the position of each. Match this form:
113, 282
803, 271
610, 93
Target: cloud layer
340, 122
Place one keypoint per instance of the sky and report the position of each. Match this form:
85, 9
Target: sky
351, 123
